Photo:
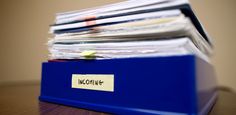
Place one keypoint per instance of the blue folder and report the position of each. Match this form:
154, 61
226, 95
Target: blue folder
150, 85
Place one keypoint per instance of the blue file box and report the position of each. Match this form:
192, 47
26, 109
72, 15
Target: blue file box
153, 85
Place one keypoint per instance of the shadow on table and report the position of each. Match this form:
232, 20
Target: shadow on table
56, 109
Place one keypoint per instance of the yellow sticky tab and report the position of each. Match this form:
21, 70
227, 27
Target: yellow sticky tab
89, 53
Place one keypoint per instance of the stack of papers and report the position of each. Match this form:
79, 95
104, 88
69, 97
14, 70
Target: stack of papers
133, 28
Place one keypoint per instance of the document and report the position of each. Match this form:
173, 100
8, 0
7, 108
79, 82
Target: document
131, 49
129, 29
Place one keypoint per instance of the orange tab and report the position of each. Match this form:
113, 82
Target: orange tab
90, 20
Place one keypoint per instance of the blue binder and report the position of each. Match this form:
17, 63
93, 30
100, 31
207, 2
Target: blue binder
150, 85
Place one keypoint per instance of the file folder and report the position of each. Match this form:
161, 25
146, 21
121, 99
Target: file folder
185, 8
148, 85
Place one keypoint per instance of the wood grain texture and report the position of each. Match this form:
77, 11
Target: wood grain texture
23, 100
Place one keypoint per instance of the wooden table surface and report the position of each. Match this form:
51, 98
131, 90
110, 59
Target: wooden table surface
23, 100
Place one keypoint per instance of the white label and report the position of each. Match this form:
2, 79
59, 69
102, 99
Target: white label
100, 82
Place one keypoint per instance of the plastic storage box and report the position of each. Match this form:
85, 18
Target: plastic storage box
153, 85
